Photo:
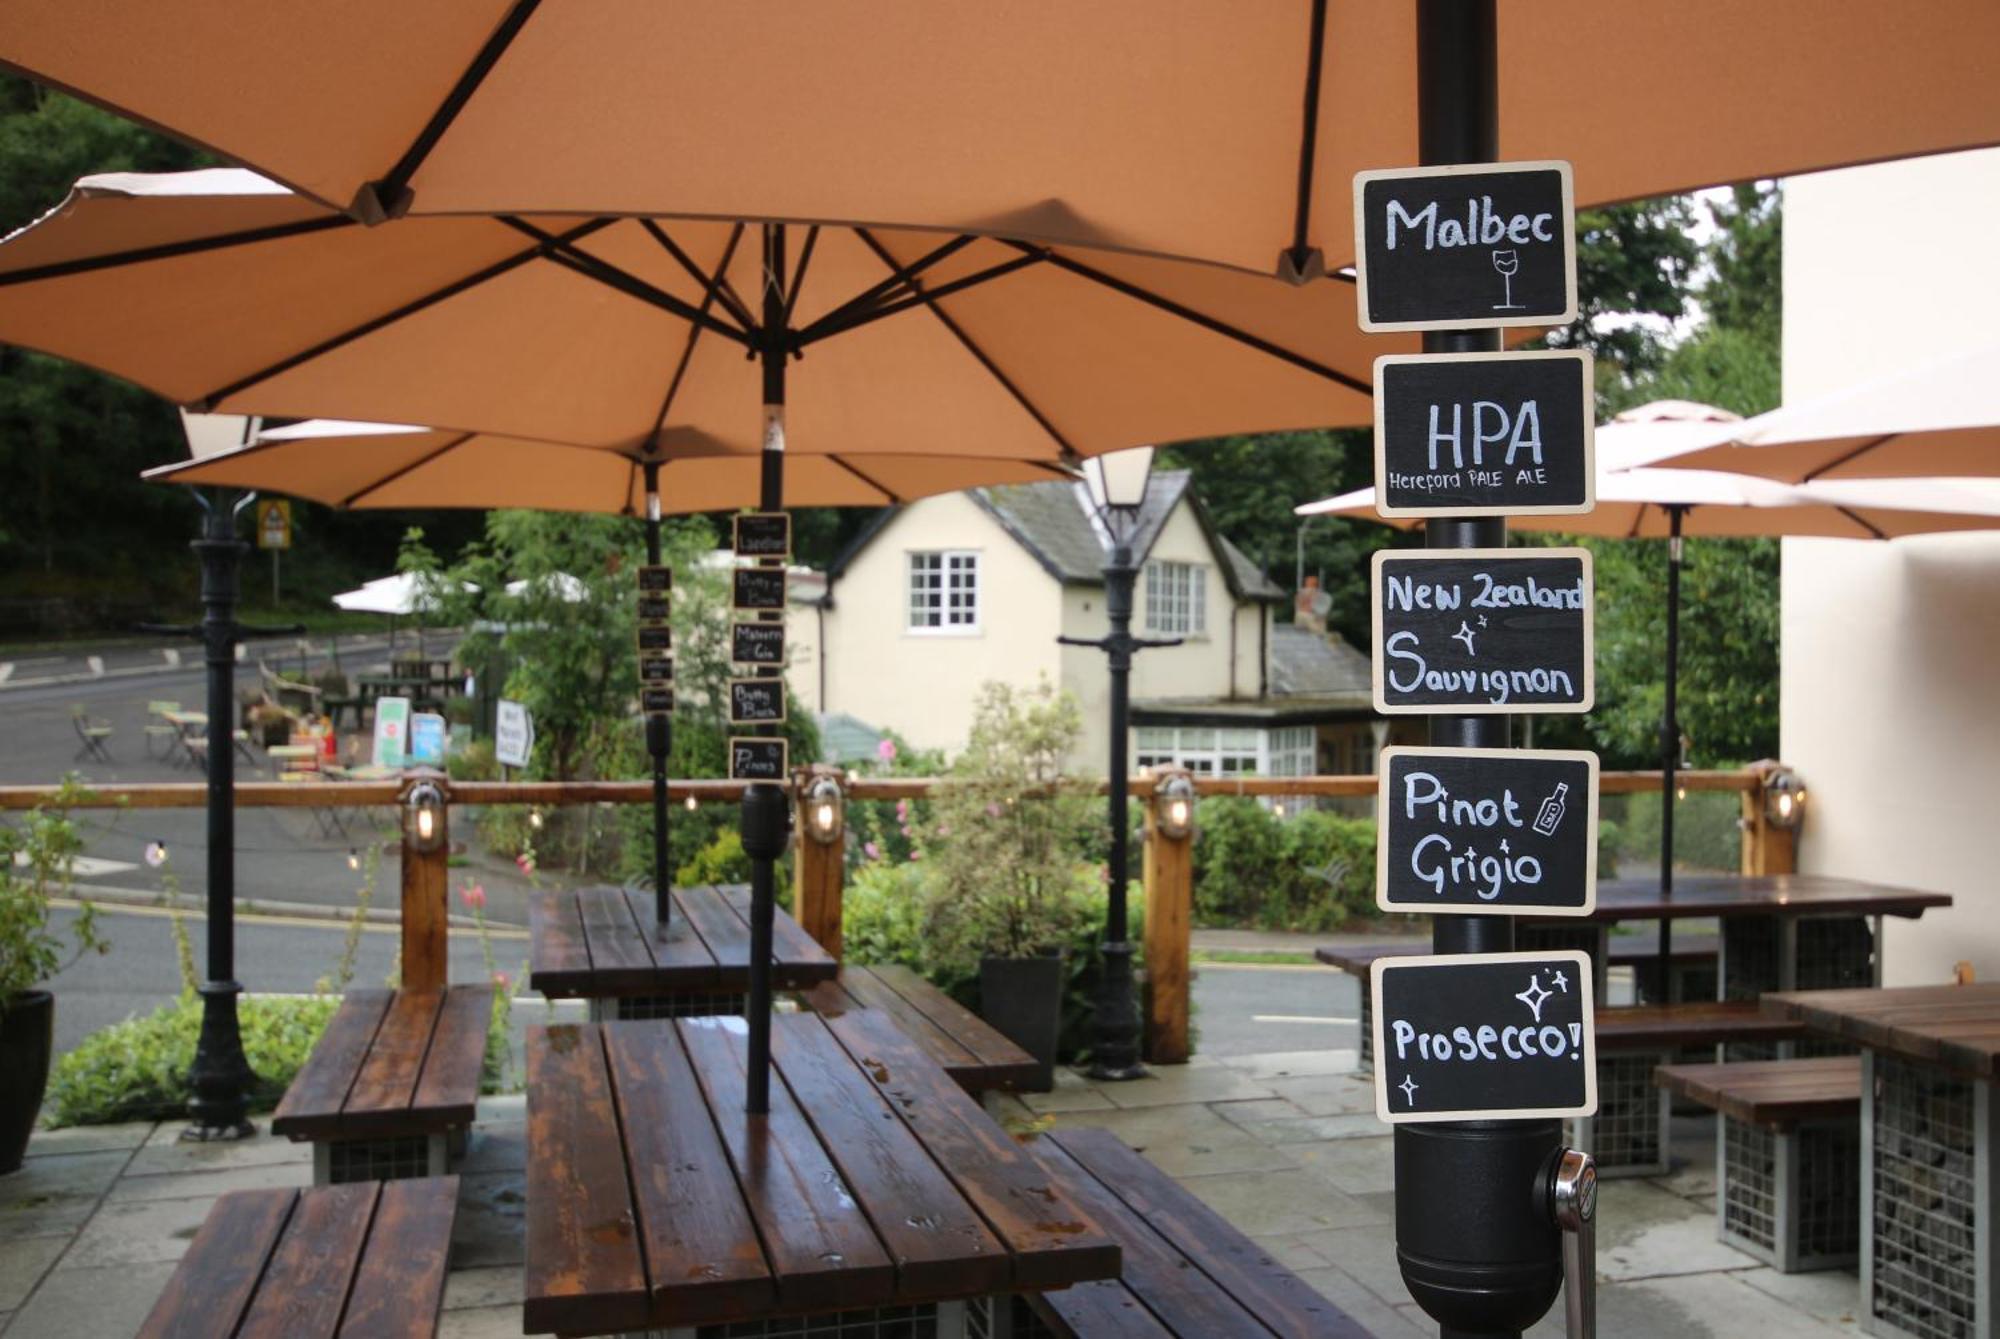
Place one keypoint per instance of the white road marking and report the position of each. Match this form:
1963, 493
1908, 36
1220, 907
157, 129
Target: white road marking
1297, 1018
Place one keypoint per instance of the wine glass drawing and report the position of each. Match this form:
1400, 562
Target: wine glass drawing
1507, 262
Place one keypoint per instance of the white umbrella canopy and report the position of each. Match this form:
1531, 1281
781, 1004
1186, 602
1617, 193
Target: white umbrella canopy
1942, 418
397, 596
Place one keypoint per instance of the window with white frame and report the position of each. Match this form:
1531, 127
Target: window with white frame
944, 591
1228, 751
1177, 597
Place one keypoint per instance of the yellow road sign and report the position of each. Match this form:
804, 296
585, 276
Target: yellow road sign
274, 523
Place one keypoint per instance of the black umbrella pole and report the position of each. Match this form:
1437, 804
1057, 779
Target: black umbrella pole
1670, 746
659, 735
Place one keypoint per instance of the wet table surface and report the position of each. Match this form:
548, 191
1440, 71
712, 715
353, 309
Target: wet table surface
655, 1200
1757, 895
1954, 1027
597, 943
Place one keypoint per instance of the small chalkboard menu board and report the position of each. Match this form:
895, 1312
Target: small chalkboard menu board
655, 610
756, 701
1484, 434
757, 643
657, 700
655, 639
1484, 1036
656, 669
1469, 246
757, 588
655, 580
757, 759
764, 534
1482, 631
1484, 831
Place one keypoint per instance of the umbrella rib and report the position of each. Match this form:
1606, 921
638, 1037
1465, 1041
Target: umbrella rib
728, 294
918, 297
1189, 314
895, 499
416, 464
687, 350
604, 272
391, 195
799, 275
1861, 521
1308, 140
450, 290
874, 293
62, 269
993, 369
1855, 454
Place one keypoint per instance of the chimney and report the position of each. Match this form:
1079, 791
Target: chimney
1309, 606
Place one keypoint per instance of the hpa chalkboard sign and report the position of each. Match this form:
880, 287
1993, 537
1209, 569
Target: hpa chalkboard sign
1479, 1036
756, 701
1478, 245
655, 580
1479, 631
1484, 434
757, 588
755, 759
1487, 830
757, 643
764, 534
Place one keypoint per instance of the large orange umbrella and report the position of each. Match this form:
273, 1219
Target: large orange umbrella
1210, 129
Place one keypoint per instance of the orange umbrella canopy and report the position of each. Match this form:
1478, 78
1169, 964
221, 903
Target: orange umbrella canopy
221, 290
1212, 129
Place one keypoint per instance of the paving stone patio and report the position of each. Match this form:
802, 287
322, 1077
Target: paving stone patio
1286, 1146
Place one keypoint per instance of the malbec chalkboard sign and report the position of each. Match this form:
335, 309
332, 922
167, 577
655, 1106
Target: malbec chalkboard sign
757, 643
757, 588
656, 669
763, 534
657, 700
1480, 831
1471, 246
1484, 434
1483, 631
756, 701
656, 580
1484, 1036
755, 759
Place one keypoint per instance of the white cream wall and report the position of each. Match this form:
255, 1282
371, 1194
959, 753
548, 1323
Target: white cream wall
1890, 678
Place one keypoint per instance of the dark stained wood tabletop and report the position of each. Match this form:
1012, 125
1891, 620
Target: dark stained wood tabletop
655, 1200
595, 943
391, 1062
1953, 1027
1758, 895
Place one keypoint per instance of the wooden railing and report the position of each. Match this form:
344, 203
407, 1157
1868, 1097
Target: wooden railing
819, 866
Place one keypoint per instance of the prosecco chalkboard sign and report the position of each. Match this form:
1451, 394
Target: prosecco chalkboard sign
763, 534
755, 589
757, 643
1480, 831
756, 701
1484, 434
1484, 1036
758, 759
1477, 245
1482, 631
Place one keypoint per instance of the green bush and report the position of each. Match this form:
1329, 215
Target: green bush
1253, 869
721, 861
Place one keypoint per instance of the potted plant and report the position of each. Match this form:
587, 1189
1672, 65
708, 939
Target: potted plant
36, 860
1010, 887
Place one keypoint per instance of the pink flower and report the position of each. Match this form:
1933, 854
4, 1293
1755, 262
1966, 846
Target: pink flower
500, 980
872, 851
525, 862
916, 855
944, 829
993, 810
902, 811
474, 896
156, 854
886, 750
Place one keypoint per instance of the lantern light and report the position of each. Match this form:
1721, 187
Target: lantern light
1173, 805
1784, 799
423, 816
826, 809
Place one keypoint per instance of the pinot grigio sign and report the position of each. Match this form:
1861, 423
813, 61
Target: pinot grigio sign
1484, 1036
1479, 831
1478, 631
1484, 434
1477, 245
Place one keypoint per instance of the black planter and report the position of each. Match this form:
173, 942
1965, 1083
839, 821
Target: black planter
1023, 998
27, 1038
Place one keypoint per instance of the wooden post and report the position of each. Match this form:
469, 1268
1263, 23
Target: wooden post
426, 880
819, 865
1767, 849
1168, 870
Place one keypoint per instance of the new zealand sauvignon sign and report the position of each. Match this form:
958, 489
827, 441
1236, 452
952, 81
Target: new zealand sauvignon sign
1481, 245
1482, 631
1487, 830
1484, 1036
1484, 434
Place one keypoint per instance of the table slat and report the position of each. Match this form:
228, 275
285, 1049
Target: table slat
387, 1083
584, 1272
1085, 1310
681, 953
870, 991
399, 1286
989, 1046
448, 1090
1757, 895
724, 929
556, 946
797, 956
305, 1286
313, 1102
700, 1244
1775, 1093
207, 1294
1957, 1027
619, 956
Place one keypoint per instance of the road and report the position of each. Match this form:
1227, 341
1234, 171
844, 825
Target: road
1251, 1009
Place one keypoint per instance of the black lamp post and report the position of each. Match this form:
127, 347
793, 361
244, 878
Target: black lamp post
1117, 485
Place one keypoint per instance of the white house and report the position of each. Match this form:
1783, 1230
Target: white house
940, 596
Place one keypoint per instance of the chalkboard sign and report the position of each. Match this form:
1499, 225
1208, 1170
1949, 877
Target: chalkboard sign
1470, 246
656, 669
657, 700
1484, 1036
755, 588
763, 535
655, 639
656, 580
1484, 434
757, 643
1487, 830
655, 610
753, 759
1480, 631
756, 701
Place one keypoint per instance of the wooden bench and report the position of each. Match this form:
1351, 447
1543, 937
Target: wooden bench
1788, 1156
1186, 1270
968, 1048
392, 1082
363, 1259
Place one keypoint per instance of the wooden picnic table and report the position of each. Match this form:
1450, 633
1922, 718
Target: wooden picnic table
1930, 1158
654, 1200
602, 944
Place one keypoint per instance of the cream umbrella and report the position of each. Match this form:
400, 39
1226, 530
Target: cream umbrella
1226, 132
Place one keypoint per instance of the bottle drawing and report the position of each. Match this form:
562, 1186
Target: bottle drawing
1550, 816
